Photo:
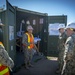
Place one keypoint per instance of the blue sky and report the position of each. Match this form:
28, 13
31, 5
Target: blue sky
52, 7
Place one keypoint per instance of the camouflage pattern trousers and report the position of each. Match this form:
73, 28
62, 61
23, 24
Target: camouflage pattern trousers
60, 59
70, 67
28, 55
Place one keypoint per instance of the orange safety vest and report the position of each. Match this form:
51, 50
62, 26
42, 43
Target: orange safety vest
30, 40
1, 44
3, 69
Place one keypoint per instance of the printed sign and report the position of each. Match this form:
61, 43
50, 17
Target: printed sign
11, 32
53, 29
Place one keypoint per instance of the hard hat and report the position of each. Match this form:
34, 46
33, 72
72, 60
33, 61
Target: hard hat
71, 25
61, 26
29, 27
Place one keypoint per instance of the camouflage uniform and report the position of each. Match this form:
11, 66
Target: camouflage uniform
70, 56
27, 52
61, 42
5, 59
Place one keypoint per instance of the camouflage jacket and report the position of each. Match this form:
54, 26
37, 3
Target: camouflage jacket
5, 59
62, 40
70, 46
25, 40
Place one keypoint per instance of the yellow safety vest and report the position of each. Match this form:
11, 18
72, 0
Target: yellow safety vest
30, 39
1, 44
3, 69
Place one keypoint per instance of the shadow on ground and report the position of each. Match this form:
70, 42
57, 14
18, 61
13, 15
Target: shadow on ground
42, 66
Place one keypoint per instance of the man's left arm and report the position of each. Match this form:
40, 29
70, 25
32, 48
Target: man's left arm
6, 60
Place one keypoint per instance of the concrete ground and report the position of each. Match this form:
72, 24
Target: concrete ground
44, 66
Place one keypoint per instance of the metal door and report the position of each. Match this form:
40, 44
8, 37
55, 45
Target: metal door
52, 49
10, 30
44, 36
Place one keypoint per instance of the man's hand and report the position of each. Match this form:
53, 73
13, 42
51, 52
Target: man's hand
36, 48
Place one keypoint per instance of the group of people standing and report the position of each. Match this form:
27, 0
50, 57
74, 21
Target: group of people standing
66, 48
29, 48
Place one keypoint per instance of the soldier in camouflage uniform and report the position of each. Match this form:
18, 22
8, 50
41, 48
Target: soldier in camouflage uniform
70, 50
61, 42
28, 46
5, 60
